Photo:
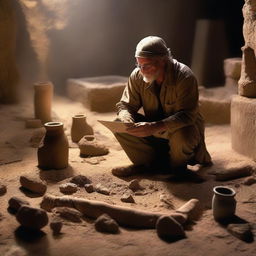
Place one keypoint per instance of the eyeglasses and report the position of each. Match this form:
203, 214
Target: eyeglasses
144, 67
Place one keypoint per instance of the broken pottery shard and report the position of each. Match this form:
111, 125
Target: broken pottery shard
68, 188
233, 173
90, 147
192, 209
169, 229
134, 185
33, 184
241, 231
89, 188
2, 189
80, 180
56, 225
105, 223
32, 218
249, 181
68, 214
101, 189
15, 203
127, 198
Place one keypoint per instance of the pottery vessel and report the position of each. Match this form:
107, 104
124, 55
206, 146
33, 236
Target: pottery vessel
53, 154
43, 92
80, 127
223, 203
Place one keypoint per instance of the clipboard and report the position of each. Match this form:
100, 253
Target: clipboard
115, 126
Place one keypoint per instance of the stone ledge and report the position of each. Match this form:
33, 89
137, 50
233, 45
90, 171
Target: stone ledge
243, 123
215, 103
98, 94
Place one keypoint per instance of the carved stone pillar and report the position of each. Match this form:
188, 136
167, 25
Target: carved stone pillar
243, 106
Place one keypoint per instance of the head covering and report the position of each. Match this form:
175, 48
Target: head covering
152, 46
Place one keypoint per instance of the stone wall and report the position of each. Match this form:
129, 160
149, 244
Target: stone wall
74, 39
8, 69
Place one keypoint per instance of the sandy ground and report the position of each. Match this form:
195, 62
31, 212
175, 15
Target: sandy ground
203, 236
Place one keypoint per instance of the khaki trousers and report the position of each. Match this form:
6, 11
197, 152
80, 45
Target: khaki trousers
175, 151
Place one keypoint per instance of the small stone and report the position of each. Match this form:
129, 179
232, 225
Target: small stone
134, 185
32, 218
33, 184
80, 180
169, 229
105, 223
127, 198
68, 214
56, 225
241, 231
101, 189
2, 189
68, 188
249, 181
15, 203
89, 188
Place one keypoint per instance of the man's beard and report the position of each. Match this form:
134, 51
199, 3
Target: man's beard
150, 78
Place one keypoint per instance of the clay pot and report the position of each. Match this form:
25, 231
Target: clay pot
80, 128
223, 203
43, 92
53, 154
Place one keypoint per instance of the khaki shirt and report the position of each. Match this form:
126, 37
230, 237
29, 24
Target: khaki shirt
178, 97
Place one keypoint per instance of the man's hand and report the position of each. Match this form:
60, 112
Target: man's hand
125, 116
144, 129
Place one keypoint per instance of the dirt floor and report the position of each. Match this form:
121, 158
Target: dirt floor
204, 236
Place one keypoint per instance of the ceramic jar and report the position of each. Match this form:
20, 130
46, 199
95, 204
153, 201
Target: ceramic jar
43, 92
80, 127
53, 154
223, 203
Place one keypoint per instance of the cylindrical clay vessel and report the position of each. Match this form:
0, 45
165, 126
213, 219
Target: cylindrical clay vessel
43, 93
80, 127
223, 203
53, 154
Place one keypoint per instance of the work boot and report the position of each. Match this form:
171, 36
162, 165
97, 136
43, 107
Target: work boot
125, 171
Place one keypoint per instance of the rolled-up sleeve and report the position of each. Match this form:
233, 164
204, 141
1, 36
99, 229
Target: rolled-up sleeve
131, 99
186, 105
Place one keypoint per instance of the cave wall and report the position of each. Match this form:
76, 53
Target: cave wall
8, 69
61, 39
